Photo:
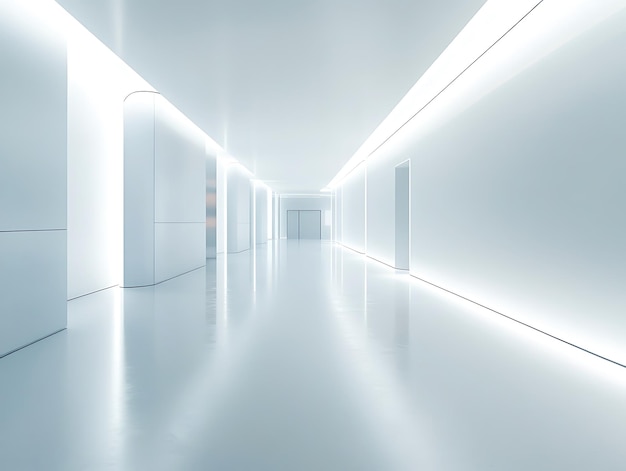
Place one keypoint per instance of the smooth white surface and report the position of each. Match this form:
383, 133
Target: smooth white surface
402, 216
312, 203
274, 82
33, 287
239, 217
139, 191
98, 82
310, 224
548, 209
165, 192
515, 199
33, 117
33, 172
179, 193
353, 198
381, 209
293, 224
547, 28
335, 362
262, 221
178, 249
338, 214
180, 167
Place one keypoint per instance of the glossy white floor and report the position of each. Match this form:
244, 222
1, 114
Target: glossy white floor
304, 356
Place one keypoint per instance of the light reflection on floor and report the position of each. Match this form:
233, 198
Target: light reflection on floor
304, 356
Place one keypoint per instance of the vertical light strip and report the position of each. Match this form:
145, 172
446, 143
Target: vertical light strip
410, 215
225, 207
253, 241
254, 221
365, 205
270, 213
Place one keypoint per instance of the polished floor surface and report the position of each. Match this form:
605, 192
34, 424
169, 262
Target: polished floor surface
304, 356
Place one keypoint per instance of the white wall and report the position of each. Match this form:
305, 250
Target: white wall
180, 193
239, 194
517, 194
98, 82
381, 209
353, 209
33, 175
315, 203
337, 214
263, 204
164, 192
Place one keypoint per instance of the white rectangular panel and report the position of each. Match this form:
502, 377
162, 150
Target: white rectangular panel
354, 209
179, 172
381, 209
139, 190
239, 212
33, 289
293, 224
310, 224
179, 248
33, 121
242, 238
261, 214
402, 217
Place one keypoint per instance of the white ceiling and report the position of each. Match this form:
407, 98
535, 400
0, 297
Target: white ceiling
291, 88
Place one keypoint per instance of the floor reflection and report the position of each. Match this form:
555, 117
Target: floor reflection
303, 355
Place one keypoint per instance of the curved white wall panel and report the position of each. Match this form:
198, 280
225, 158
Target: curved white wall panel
98, 82
164, 192
139, 197
180, 157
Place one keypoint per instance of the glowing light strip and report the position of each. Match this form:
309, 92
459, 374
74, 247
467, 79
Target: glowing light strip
543, 24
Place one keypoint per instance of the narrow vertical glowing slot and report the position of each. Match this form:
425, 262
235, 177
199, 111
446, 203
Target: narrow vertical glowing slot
254, 223
270, 210
410, 215
225, 208
342, 214
365, 313
365, 206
